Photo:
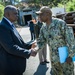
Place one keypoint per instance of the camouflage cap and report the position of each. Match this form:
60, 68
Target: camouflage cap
44, 9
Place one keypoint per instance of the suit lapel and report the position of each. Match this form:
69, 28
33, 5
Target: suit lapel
6, 24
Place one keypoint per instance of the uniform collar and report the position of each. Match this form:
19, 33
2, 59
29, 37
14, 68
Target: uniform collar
51, 25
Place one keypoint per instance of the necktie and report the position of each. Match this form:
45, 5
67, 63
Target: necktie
15, 30
13, 26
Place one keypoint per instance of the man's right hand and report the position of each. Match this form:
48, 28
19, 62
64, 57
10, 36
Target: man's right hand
34, 45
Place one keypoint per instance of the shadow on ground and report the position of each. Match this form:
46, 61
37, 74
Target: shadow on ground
41, 70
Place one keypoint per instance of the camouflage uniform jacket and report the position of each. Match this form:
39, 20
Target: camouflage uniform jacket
57, 34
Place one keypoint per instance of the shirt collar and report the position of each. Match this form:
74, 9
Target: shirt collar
51, 25
8, 20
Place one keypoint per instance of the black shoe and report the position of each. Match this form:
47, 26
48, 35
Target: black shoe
46, 61
42, 63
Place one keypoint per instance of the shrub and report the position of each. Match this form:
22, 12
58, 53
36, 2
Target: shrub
1, 11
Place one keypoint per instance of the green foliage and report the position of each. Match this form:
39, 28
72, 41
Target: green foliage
70, 6
60, 5
2, 3
1, 11
49, 3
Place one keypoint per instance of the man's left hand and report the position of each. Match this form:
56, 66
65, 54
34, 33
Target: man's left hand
69, 60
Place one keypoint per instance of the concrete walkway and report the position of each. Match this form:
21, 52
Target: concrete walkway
33, 66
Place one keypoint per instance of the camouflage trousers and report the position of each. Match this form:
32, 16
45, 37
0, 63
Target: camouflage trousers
62, 69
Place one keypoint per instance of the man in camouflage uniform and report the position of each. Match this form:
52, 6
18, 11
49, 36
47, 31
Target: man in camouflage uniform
42, 53
57, 34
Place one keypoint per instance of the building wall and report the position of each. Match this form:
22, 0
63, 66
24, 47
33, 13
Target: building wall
25, 13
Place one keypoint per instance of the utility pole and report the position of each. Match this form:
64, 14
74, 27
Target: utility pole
64, 6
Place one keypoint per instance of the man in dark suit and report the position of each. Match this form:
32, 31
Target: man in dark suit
13, 50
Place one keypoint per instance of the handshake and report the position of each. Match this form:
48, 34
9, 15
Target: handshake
33, 52
34, 49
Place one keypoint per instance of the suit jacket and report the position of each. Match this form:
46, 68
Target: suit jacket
13, 50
